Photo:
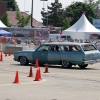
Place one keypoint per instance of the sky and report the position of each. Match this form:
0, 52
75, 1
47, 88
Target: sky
25, 6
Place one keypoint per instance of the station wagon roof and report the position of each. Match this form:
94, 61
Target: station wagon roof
66, 43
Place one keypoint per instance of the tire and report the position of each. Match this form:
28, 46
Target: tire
66, 64
23, 60
83, 65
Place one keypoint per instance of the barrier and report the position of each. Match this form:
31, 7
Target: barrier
0, 46
12, 49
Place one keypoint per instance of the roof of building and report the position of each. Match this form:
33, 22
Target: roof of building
12, 18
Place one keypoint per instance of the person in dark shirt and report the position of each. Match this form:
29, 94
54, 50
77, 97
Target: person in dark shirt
70, 48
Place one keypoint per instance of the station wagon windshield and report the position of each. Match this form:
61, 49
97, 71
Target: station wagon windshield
88, 47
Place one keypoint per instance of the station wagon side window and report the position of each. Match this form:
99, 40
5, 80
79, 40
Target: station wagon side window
64, 48
55, 48
69, 48
76, 48
43, 48
88, 47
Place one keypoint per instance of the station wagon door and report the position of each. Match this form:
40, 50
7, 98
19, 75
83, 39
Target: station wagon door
74, 56
54, 55
41, 54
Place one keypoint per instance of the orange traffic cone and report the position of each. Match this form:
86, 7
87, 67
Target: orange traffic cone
37, 76
16, 78
46, 68
40, 74
1, 57
30, 73
36, 63
9, 53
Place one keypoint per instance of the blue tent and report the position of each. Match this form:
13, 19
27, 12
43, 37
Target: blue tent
5, 33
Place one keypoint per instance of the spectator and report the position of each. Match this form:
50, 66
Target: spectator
50, 40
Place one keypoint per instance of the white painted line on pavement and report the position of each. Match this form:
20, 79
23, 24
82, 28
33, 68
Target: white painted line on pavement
23, 83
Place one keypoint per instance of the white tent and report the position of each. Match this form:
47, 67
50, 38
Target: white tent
81, 29
2, 25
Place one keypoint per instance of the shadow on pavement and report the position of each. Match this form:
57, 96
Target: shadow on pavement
58, 66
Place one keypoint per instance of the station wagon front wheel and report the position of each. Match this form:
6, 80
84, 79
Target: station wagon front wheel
23, 60
66, 64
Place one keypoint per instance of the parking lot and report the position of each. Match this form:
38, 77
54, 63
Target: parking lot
58, 84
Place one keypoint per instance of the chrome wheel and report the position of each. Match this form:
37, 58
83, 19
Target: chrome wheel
23, 60
66, 64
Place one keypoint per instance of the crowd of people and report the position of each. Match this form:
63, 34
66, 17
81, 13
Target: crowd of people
14, 40
5, 39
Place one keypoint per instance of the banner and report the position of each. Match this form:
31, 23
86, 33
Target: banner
96, 23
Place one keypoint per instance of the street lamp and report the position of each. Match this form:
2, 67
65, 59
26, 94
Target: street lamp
32, 14
43, 8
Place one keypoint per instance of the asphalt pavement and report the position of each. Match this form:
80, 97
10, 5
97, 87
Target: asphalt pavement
58, 84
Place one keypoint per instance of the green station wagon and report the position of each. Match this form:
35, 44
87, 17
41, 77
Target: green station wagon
60, 53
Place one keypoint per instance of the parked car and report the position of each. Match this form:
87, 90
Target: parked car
97, 44
66, 37
64, 53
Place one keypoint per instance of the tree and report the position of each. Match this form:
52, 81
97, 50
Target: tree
22, 21
54, 15
5, 20
12, 5
75, 10
66, 23
95, 5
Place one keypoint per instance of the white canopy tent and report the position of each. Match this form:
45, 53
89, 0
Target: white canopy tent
81, 29
2, 25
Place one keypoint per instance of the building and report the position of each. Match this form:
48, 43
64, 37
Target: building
3, 7
12, 18
12, 15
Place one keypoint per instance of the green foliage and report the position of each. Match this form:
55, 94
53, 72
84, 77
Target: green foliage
66, 23
95, 5
22, 21
75, 10
5, 20
12, 5
55, 14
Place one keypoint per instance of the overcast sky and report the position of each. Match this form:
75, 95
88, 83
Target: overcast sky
25, 5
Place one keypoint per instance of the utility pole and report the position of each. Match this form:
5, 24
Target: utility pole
47, 14
32, 14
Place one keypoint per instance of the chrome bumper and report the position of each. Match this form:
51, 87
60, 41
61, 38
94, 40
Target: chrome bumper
91, 61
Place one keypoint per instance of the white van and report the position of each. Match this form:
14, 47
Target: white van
66, 37
54, 37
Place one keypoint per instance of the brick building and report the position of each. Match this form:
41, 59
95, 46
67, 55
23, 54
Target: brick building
3, 7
